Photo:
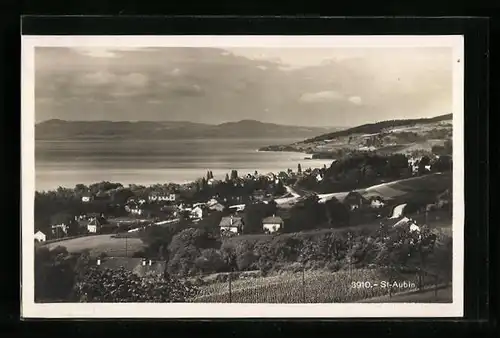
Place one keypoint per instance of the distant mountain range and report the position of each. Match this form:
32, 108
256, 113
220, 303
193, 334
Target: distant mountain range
87, 130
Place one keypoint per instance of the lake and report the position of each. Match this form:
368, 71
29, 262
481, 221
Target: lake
67, 163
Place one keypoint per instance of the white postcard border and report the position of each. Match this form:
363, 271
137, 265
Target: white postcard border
30, 309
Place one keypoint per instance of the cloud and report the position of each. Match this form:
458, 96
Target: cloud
355, 100
98, 78
186, 90
262, 67
96, 53
323, 96
154, 101
108, 78
135, 80
175, 72
111, 52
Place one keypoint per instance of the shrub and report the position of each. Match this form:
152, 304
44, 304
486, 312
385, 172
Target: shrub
210, 261
124, 286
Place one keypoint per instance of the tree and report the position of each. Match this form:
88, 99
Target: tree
227, 177
210, 261
234, 174
396, 164
254, 213
299, 168
337, 213
280, 189
211, 222
306, 215
443, 163
424, 161
122, 195
199, 238
54, 274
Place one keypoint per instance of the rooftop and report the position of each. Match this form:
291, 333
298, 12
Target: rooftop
231, 222
272, 220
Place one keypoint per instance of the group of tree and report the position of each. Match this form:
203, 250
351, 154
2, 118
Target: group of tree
357, 170
254, 214
210, 175
64, 277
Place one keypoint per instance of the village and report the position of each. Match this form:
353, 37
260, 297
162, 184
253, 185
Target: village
167, 205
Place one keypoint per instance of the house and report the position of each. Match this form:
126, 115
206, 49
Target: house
212, 201
353, 200
216, 207
196, 213
237, 207
272, 224
158, 197
93, 225
134, 208
231, 224
259, 195
40, 236
87, 198
376, 202
59, 230
138, 266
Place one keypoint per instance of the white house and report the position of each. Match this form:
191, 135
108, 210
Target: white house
196, 213
237, 207
216, 207
87, 198
376, 203
212, 201
272, 224
94, 225
40, 236
155, 197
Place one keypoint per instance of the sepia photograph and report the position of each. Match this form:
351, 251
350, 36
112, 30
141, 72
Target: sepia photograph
242, 176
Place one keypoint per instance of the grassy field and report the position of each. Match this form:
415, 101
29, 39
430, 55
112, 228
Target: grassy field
98, 244
409, 188
432, 183
318, 287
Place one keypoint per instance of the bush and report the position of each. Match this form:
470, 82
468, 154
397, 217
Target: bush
210, 261
124, 286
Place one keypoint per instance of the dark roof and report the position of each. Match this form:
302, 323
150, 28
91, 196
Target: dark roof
226, 222
133, 264
355, 194
272, 220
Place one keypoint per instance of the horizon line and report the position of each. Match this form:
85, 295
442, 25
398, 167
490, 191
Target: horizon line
238, 121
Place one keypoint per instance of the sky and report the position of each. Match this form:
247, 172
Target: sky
294, 86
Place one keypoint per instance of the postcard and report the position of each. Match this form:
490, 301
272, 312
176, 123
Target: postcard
242, 176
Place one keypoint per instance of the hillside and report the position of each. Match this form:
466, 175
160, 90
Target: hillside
70, 130
393, 136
